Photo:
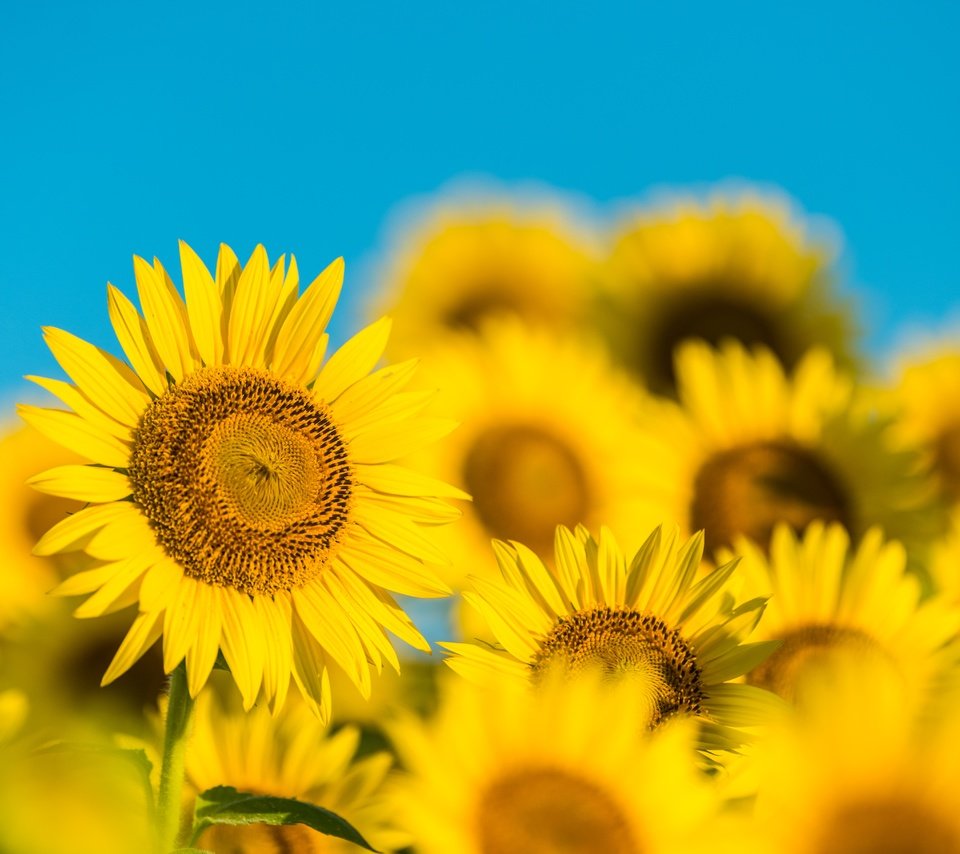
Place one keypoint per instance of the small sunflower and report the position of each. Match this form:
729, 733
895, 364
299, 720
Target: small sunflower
240, 490
750, 446
468, 262
292, 755
860, 771
826, 600
25, 515
502, 769
926, 399
679, 642
740, 267
548, 436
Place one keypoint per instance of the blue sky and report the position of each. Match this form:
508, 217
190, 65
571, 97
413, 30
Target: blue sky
128, 126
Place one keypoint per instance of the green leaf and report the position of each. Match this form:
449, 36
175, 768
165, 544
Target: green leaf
225, 805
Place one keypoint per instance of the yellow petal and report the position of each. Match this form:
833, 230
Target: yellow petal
252, 306
275, 615
165, 315
143, 634
203, 306
160, 584
82, 406
202, 653
307, 320
242, 642
397, 439
73, 532
83, 483
134, 337
181, 622
353, 361
398, 480
310, 670
116, 593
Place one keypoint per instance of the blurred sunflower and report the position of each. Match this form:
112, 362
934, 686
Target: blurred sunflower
679, 643
926, 400
239, 486
504, 769
860, 771
548, 436
469, 262
750, 446
739, 266
292, 755
828, 601
26, 515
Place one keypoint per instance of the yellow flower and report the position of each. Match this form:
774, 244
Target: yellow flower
646, 620
468, 262
240, 487
826, 601
504, 769
292, 755
24, 515
737, 266
861, 770
750, 446
926, 399
547, 437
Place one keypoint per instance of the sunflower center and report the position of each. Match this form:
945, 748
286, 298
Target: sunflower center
748, 490
631, 644
809, 648
551, 811
266, 839
711, 316
947, 460
245, 478
525, 482
890, 826
470, 312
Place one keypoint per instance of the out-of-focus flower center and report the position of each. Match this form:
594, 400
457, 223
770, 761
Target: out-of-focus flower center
947, 461
748, 490
524, 483
267, 839
624, 643
245, 478
891, 826
549, 810
809, 648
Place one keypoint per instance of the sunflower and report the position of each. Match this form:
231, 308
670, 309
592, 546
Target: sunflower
548, 436
240, 487
860, 771
25, 515
292, 755
751, 446
737, 266
647, 621
504, 769
827, 601
926, 399
469, 261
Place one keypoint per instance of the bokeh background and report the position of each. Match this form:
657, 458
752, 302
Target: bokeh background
311, 127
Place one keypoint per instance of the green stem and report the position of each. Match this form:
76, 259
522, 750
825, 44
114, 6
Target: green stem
179, 709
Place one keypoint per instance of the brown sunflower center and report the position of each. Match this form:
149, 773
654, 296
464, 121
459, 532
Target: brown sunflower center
809, 648
245, 478
483, 302
632, 644
266, 839
551, 811
748, 490
947, 461
524, 483
711, 316
889, 826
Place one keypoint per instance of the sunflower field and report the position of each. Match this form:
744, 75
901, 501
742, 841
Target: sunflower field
604, 534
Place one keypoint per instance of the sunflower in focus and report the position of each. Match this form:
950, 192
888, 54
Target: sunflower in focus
860, 771
292, 755
240, 486
740, 267
751, 446
547, 437
827, 600
926, 399
27, 514
469, 262
677, 641
504, 769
